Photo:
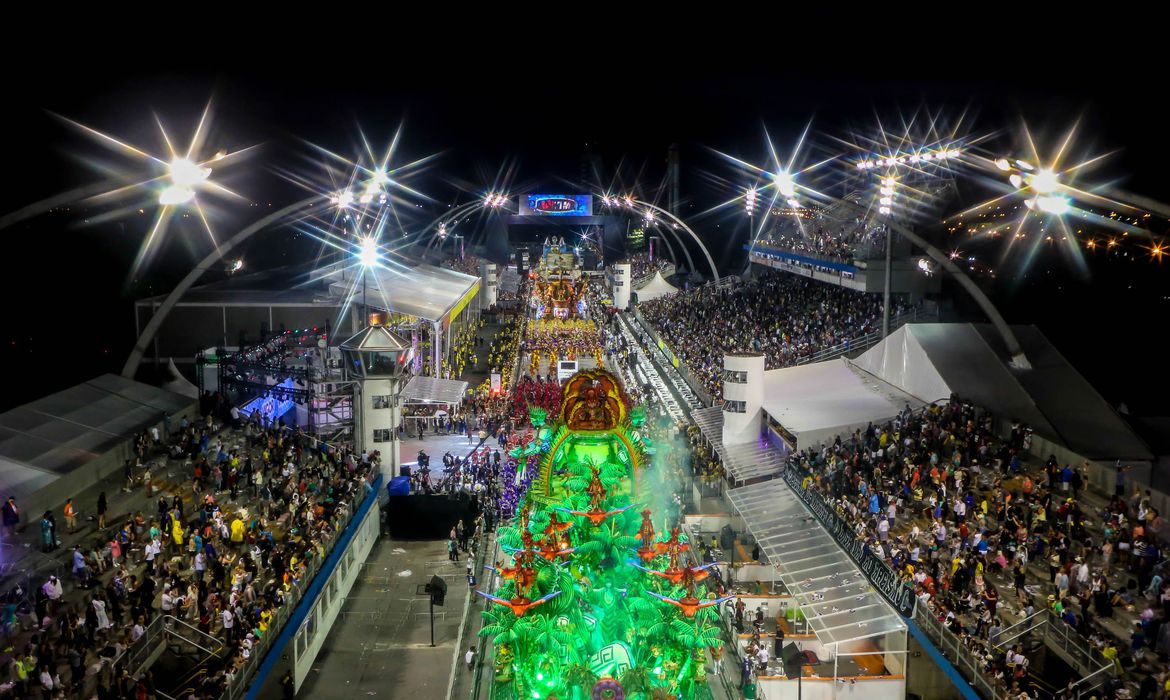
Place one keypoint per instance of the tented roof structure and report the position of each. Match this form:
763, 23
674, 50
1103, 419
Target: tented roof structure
932, 361
425, 291
401, 286
655, 287
818, 401
432, 389
834, 596
47, 439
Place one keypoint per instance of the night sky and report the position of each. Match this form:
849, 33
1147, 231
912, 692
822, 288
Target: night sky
70, 314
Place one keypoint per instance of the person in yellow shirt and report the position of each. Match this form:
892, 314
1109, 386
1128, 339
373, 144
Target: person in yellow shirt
237, 531
177, 532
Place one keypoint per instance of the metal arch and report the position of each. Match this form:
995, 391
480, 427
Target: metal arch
683, 224
1018, 359
164, 309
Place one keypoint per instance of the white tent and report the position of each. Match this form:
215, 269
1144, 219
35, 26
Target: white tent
932, 361
818, 401
656, 287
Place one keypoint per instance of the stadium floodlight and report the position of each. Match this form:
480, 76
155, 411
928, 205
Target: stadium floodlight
238, 265
380, 177
785, 184
750, 200
1003, 164
1025, 165
343, 198
186, 173
883, 210
794, 204
649, 216
1045, 182
1053, 204
175, 195
1016, 180
368, 252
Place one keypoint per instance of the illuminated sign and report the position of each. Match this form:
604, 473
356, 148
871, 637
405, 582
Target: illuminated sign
556, 205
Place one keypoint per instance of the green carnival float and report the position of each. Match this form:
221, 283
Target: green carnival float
594, 603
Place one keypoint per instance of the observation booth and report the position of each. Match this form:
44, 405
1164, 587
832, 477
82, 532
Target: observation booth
378, 362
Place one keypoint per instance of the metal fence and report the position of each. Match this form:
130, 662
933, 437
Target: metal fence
1094, 668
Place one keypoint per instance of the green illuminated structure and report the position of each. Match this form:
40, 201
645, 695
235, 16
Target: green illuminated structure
594, 604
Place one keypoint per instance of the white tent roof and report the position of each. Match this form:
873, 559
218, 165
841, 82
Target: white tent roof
655, 287
932, 361
818, 401
47, 439
425, 291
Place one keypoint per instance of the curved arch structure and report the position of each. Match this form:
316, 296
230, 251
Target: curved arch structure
1018, 359
674, 219
160, 314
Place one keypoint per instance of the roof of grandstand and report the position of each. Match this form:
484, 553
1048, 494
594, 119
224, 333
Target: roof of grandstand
818, 401
415, 289
47, 439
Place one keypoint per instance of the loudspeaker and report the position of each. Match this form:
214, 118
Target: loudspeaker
438, 590
726, 537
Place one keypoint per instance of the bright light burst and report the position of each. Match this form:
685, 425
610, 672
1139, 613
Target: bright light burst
1049, 187
172, 183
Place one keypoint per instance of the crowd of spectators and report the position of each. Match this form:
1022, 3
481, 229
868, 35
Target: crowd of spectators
786, 317
985, 539
838, 242
249, 508
641, 265
467, 264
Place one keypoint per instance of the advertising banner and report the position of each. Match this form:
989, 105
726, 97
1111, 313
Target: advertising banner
556, 205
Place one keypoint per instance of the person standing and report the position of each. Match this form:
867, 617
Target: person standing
70, 516
101, 510
48, 537
11, 516
469, 657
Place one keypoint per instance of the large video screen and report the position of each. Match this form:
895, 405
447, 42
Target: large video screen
556, 205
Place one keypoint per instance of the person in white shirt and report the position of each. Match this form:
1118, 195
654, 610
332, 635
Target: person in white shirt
229, 623
53, 589
469, 658
883, 529
99, 608
138, 630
